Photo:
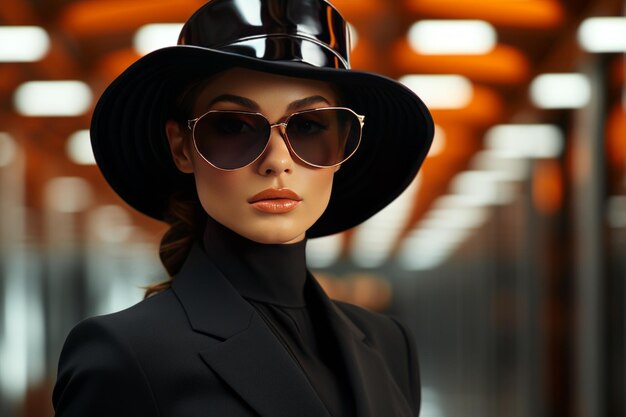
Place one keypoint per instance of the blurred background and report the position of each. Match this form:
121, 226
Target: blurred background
506, 256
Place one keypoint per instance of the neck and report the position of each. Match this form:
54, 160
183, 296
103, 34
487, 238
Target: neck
272, 273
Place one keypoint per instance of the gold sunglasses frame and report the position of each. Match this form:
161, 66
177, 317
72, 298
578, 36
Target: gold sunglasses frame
191, 125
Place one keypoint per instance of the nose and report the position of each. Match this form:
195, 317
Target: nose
276, 158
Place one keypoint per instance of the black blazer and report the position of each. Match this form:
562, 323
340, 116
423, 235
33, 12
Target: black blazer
199, 349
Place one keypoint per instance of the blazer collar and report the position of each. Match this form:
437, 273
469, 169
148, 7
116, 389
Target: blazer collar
256, 365
212, 305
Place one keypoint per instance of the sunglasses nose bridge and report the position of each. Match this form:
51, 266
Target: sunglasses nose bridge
282, 128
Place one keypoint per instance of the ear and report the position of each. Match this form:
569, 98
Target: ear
179, 147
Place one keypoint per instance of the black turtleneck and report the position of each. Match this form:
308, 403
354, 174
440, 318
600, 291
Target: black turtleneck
273, 279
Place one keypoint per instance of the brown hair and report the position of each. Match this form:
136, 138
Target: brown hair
187, 219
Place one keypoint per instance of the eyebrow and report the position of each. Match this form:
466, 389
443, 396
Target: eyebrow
306, 102
252, 105
231, 98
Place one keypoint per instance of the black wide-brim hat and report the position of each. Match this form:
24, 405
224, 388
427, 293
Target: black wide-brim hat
304, 39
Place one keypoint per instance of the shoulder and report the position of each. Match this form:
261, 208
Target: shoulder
133, 330
151, 309
101, 360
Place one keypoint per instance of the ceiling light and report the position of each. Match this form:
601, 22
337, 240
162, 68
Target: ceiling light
111, 223
455, 218
155, 36
441, 91
427, 248
526, 140
439, 234
68, 194
23, 43
508, 165
447, 37
455, 201
485, 187
79, 148
560, 91
52, 98
603, 34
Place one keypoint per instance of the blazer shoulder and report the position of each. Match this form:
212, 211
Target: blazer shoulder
99, 374
100, 369
151, 309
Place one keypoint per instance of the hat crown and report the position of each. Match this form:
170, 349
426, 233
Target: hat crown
307, 31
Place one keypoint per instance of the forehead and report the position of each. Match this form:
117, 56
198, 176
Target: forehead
269, 91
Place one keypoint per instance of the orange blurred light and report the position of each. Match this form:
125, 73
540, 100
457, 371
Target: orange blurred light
116, 62
363, 56
485, 109
352, 10
96, 17
616, 136
504, 64
526, 13
547, 186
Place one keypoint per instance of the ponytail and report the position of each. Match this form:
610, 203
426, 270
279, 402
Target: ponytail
187, 219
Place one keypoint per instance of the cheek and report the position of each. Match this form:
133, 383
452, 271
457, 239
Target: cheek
216, 189
320, 185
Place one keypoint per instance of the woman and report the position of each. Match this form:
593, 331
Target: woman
249, 137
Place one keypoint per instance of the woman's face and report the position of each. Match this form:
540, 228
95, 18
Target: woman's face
276, 198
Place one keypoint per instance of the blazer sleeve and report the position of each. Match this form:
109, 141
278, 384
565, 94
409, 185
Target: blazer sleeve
100, 376
412, 366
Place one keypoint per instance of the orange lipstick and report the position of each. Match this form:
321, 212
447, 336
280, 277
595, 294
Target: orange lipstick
275, 201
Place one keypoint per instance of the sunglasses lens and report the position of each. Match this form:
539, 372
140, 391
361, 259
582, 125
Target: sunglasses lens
324, 137
231, 140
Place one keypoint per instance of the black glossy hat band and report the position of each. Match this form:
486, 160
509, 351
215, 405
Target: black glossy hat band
280, 47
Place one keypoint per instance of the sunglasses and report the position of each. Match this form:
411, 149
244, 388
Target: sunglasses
321, 138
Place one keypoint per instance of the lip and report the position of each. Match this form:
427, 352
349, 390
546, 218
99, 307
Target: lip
275, 201
275, 194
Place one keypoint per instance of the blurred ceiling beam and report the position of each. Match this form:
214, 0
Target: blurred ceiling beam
18, 12
526, 13
484, 109
92, 18
503, 65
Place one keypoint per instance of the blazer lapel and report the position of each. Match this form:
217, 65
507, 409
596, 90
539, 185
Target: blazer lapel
248, 357
375, 392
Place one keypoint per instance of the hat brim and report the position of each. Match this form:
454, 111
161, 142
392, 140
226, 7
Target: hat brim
130, 146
